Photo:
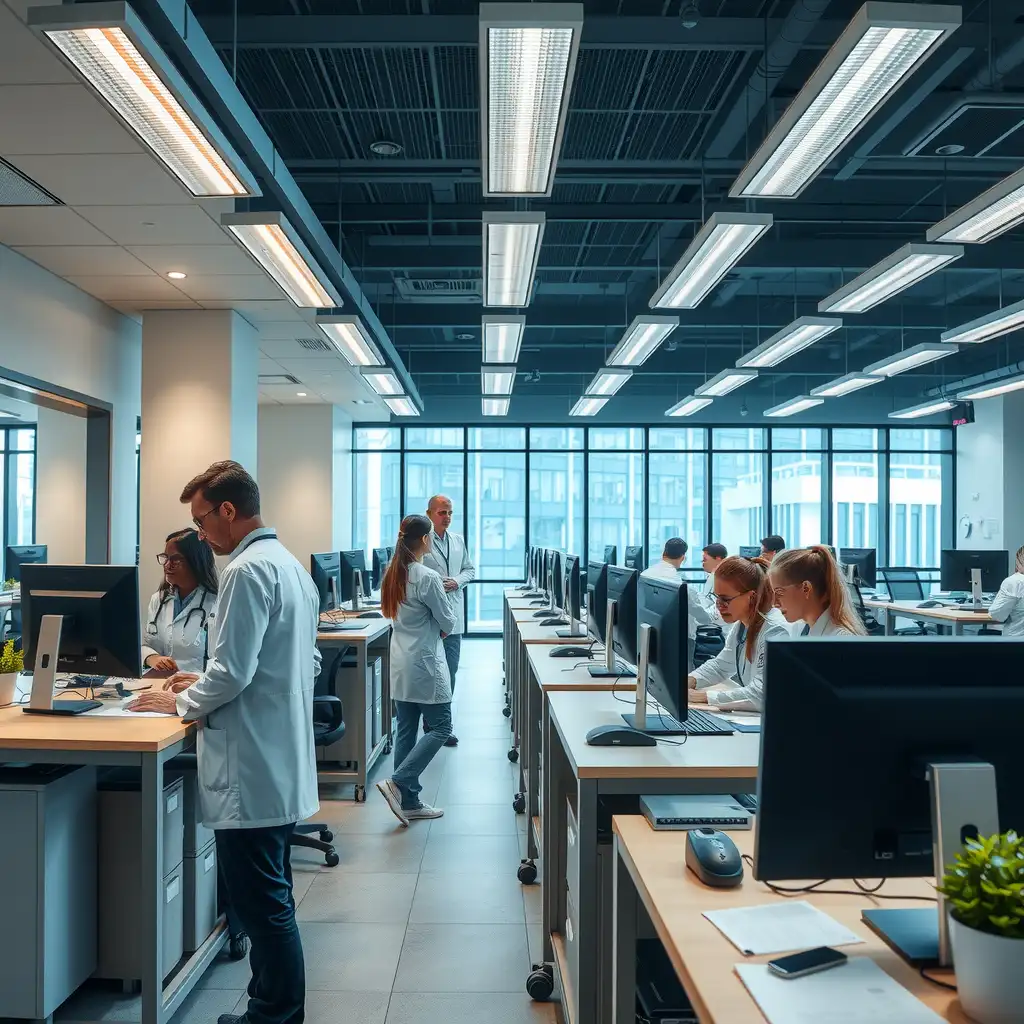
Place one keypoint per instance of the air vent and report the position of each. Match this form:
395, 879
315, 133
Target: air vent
978, 126
17, 190
314, 344
440, 289
278, 378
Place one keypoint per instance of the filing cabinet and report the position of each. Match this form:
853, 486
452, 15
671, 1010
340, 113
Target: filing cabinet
199, 873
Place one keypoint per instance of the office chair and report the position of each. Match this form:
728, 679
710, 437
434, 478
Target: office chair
328, 728
709, 641
871, 624
904, 584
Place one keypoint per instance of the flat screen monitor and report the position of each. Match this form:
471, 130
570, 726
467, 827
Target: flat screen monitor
379, 563
545, 579
611, 554
622, 590
864, 562
662, 607
597, 599
634, 557
571, 588
749, 550
325, 568
556, 582
24, 554
353, 563
955, 569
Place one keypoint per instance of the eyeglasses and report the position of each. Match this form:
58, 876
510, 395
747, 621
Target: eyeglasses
198, 520
171, 560
726, 601
780, 591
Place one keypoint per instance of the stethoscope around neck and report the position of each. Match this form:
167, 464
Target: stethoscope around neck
200, 641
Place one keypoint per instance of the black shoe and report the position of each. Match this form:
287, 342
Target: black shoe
426, 728
452, 741
231, 1018
238, 946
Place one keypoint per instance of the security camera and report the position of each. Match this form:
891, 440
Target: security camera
744, 411
689, 15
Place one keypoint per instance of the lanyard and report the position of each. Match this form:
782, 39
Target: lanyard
741, 654
447, 552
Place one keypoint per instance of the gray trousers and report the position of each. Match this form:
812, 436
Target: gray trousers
452, 653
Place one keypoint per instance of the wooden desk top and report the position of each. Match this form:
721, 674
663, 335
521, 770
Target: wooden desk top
571, 673
704, 959
369, 630
531, 632
944, 613
576, 712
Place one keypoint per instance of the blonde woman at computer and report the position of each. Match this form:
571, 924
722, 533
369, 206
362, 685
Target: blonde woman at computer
1008, 605
811, 593
745, 600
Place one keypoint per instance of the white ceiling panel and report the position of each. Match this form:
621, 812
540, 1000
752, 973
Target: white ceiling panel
47, 225
283, 349
117, 289
25, 59
257, 311
197, 259
225, 288
85, 179
287, 394
59, 119
91, 260
155, 225
135, 308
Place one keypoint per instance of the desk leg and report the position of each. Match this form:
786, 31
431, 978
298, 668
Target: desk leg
958, 628
624, 935
151, 907
890, 622
363, 741
386, 710
588, 984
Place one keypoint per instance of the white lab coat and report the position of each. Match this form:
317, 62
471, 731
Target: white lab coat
710, 604
823, 626
185, 637
419, 668
1008, 605
697, 613
449, 558
731, 665
257, 762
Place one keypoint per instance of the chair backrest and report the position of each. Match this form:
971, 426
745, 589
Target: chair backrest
866, 615
903, 584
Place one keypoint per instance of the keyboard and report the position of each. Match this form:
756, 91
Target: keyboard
747, 800
700, 722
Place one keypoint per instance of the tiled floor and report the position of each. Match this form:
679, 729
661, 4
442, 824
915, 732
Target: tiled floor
421, 926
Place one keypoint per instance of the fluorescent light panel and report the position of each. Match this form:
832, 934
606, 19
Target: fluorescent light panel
926, 409
688, 406
724, 382
641, 339
894, 274
275, 246
383, 382
846, 385
511, 248
492, 406
883, 44
910, 358
800, 334
985, 328
502, 338
588, 406
497, 380
799, 404
527, 62
348, 335
402, 406
719, 245
986, 217
608, 382
112, 50
992, 389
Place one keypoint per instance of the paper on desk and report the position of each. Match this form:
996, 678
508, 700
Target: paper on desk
857, 992
120, 711
780, 928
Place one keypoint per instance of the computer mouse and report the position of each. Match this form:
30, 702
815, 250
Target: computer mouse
713, 857
569, 652
930, 604
370, 615
619, 736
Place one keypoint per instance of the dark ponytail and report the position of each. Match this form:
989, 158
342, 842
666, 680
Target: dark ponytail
407, 547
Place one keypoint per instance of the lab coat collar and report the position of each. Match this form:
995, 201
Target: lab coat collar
821, 624
260, 534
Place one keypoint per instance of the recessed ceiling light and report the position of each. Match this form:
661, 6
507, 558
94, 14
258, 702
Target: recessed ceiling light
361, 401
953, 149
464, 337
300, 394
176, 275
385, 147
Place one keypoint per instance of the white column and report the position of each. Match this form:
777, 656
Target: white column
200, 378
60, 485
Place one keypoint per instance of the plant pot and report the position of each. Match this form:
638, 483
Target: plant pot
989, 974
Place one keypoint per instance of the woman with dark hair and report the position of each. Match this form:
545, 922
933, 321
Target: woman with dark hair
182, 611
414, 598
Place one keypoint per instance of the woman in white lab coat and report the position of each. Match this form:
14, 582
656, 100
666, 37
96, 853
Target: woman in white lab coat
1008, 605
181, 613
812, 595
414, 598
745, 600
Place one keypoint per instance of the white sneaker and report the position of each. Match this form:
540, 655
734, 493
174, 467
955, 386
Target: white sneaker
426, 811
393, 795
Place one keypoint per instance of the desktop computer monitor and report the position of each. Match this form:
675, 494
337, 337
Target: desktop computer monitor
561, 583
597, 600
379, 566
863, 562
545, 578
572, 597
620, 631
912, 741
18, 555
955, 569
611, 554
325, 568
391, 552
749, 550
353, 563
634, 557
552, 586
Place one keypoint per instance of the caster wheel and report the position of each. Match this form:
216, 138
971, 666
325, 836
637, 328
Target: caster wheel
527, 872
360, 794
540, 984
326, 836
332, 860
388, 747
238, 946
506, 711
519, 803
513, 755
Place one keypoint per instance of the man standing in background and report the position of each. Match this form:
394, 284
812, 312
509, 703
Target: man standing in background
448, 557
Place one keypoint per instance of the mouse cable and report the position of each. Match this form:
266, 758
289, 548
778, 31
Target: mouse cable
815, 887
923, 971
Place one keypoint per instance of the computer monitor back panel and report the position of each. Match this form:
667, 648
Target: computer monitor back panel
597, 600
611, 554
379, 564
622, 590
634, 557
662, 605
864, 562
325, 568
572, 600
956, 564
749, 551
18, 555
351, 563
557, 582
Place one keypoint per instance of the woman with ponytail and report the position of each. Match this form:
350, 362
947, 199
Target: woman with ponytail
810, 589
744, 597
1008, 605
421, 614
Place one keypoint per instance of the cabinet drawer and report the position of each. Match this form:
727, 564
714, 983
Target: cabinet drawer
572, 854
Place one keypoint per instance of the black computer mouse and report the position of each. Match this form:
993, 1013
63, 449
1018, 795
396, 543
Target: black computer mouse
713, 857
619, 736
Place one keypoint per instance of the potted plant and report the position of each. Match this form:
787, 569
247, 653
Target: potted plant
985, 890
11, 662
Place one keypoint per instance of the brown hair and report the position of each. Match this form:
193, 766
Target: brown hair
750, 574
1020, 560
226, 481
396, 578
816, 566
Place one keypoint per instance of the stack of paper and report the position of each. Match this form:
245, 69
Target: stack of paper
780, 927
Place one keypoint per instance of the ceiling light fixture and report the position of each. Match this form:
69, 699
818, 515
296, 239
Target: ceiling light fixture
607, 382
402, 406
385, 147
800, 334
688, 406
641, 338
492, 405
986, 216
588, 406
926, 409
985, 328
176, 275
382, 381
511, 248
801, 403
877, 52
719, 245
897, 272
724, 382
910, 358
300, 394
502, 338
846, 385
527, 61
348, 335
109, 46
993, 388
497, 380
275, 246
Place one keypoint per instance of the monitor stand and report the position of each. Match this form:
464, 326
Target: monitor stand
574, 631
44, 675
610, 670
964, 804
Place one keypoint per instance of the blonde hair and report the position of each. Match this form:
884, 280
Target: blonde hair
1020, 559
816, 565
751, 574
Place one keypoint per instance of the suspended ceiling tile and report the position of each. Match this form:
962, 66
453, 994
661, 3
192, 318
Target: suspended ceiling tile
47, 225
24, 58
117, 288
136, 308
258, 311
155, 225
196, 259
227, 288
92, 260
86, 179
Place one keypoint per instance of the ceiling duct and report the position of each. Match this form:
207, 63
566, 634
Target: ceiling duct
17, 190
468, 290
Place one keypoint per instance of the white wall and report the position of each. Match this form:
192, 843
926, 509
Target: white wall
52, 331
342, 480
60, 486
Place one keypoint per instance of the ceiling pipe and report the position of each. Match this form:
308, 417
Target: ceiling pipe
992, 74
989, 377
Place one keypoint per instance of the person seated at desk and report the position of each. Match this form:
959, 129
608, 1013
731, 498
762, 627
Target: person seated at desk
1008, 605
746, 600
672, 557
182, 611
712, 557
810, 592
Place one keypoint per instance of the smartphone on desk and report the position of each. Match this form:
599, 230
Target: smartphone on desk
801, 964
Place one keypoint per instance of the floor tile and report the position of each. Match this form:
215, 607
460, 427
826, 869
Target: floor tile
373, 817
535, 941
476, 820
335, 1007
462, 898
468, 1008
399, 852
533, 901
351, 957
359, 898
469, 789
100, 1002
463, 958
457, 854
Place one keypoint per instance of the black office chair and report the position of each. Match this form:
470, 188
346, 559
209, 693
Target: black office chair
709, 641
871, 624
905, 584
328, 728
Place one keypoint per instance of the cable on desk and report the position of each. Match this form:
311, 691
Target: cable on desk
815, 887
923, 971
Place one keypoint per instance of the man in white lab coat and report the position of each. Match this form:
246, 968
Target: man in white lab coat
448, 557
257, 763
672, 557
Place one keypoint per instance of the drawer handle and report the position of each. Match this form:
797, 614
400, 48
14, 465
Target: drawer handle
172, 890
210, 863
570, 937
172, 803
572, 837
